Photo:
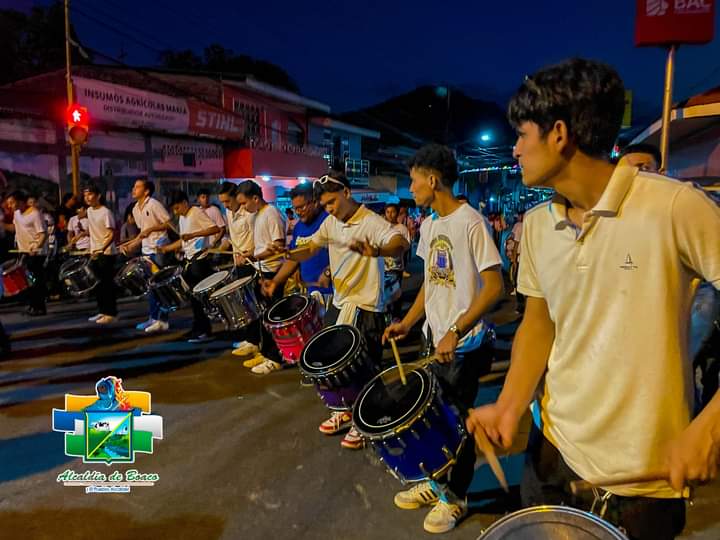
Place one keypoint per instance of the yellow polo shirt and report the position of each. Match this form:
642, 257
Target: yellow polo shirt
619, 378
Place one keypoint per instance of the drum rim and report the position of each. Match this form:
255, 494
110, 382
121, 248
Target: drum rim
277, 324
333, 368
71, 261
609, 527
135, 262
232, 286
408, 421
176, 271
10, 265
196, 288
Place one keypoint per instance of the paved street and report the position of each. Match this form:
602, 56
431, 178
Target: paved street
241, 456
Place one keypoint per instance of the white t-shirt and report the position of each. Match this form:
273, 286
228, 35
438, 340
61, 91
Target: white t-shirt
517, 233
357, 279
619, 384
396, 263
455, 249
151, 214
27, 228
240, 226
218, 219
77, 226
99, 221
269, 227
195, 221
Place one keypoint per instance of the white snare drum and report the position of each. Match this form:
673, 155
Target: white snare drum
237, 302
77, 276
135, 276
170, 289
551, 523
203, 290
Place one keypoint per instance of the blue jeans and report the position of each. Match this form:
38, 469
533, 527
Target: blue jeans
156, 312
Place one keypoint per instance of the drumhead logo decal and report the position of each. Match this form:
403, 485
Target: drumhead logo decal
109, 427
442, 270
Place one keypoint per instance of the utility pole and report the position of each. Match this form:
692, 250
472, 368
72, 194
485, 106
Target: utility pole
74, 148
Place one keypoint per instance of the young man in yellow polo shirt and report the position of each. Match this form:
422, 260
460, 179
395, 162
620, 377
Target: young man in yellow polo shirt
606, 266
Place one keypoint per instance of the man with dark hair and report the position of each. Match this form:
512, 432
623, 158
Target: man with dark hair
195, 229
593, 259
644, 156
152, 219
269, 236
357, 239
31, 237
462, 198
101, 225
213, 212
395, 266
462, 283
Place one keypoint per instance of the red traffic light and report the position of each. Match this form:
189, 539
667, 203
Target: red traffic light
78, 123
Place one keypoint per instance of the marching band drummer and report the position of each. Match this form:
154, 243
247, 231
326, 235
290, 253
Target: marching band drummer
196, 228
357, 239
315, 271
462, 283
101, 224
78, 232
31, 238
152, 219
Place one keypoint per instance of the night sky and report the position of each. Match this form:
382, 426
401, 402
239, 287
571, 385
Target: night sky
351, 55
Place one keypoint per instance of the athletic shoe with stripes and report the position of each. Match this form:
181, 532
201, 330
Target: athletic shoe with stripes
421, 494
444, 516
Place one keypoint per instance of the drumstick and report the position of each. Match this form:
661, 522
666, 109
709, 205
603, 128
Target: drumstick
84, 252
482, 443
393, 376
578, 486
220, 251
285, 254
397, 361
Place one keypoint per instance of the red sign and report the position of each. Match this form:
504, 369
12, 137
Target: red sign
207, 120
674, 22
78, 123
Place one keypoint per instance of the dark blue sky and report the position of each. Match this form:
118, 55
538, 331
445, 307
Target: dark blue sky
356, 54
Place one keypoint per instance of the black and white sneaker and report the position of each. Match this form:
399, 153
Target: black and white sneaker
421, 494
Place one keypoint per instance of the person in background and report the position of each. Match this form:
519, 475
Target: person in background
291, 221
214, 213
78, 230
645, 157
128, 231
395, 266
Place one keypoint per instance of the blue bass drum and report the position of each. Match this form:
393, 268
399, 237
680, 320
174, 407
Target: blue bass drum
410, 427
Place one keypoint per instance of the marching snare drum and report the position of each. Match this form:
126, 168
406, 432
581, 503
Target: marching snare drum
237, 302
551, 523
169, 287
337, 362
16, 278
78, 276
292, 321
411, 428
204, 289
135, 275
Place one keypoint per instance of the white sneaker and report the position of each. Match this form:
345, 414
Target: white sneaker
245, 348
143, 325
444, 516
421, 494
268, 366
157, 326
94, 318
106, 319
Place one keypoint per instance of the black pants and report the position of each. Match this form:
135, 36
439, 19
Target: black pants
546, 480
459, 383
36, 294
194, 273
105, 293
256, 332
4, 342
371, 325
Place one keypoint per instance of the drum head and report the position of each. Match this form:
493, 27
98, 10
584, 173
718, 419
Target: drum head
164, 275
72, 265
549, 523
211, 281
330, 348
238, 283
9, 266
383, 406
287, 308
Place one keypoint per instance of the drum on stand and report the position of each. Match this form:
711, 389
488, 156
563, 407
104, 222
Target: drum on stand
410, 427
292, 321
16, 277
78, 277
169, 287
135, 275
551, 523
205, 288
336, 361
238, 303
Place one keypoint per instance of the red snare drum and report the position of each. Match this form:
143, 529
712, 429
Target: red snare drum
292, 321
15, 277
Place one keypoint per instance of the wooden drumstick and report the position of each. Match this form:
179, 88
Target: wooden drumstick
397, 361
483, 444
578, 486
220, 252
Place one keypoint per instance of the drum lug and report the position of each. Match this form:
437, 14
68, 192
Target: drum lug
422, 468
402, 443
415, 434
427, 423
448, 453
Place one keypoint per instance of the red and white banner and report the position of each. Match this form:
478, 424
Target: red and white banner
215, 122
674, 22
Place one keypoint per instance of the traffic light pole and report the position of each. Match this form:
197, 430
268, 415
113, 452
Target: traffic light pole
74, 148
